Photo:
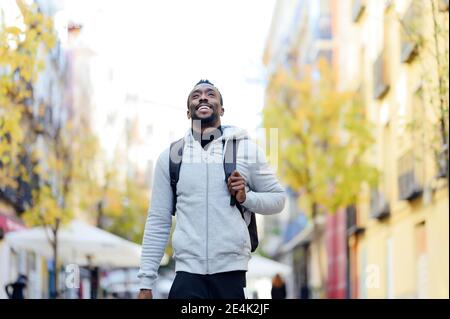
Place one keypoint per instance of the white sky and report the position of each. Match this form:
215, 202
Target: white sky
160, 49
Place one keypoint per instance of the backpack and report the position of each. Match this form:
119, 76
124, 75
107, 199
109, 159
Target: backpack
229, 165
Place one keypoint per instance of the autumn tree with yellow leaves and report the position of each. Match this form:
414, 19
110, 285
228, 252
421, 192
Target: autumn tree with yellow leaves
57, 171
20, 65
64, 174
324, 140
23, 49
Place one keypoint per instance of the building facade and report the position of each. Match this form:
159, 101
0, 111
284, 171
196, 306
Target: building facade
394, 55
387, 54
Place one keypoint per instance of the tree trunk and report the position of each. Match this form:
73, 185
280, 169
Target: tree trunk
317, 239
55, 257
55, 266
100, 214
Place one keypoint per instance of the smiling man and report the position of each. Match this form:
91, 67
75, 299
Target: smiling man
214, 204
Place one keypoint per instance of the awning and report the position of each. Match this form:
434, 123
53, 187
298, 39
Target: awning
10, 223
77, 242
303, 237
264, 267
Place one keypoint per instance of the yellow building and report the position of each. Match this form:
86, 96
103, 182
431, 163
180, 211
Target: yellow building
387, 52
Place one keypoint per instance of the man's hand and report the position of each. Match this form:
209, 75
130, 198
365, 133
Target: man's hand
236, 186
145, 294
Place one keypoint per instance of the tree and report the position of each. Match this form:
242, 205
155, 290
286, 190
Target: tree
22, 59
324, 137
127, 210
431, 48
20, 63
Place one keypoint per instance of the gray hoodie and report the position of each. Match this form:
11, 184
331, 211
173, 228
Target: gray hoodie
210, 236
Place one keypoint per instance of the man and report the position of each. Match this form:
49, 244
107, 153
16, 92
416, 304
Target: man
15, 290
211, 241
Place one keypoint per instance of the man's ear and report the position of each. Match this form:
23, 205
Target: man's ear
188, 114
222, 111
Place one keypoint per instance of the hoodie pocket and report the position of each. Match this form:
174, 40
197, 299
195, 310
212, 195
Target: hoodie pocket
187, 243
228, 234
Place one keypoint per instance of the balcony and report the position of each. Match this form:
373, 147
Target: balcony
352, 222
410, 34
358, 8
409, 187
379, 206
381, 76
409, 51
442, 162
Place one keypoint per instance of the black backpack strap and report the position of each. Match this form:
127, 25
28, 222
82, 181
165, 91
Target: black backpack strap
175, 158
229, 162
229, 165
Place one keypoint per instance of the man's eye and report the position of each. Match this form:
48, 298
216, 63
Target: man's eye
211, 94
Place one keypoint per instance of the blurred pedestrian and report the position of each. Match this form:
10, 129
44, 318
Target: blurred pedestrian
278, 287
212, 241
15, 290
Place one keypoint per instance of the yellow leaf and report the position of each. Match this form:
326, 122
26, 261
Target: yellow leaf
13, 30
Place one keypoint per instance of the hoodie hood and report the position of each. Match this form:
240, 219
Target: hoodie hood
229, 132
233, 132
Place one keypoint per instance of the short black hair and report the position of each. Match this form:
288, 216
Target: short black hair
206, 81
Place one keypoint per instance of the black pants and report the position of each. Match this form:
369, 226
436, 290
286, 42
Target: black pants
225, 285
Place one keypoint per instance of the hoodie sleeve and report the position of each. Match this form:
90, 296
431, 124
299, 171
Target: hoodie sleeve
158, 224
265, 195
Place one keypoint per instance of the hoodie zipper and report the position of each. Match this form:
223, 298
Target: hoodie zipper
207, 152
207, 224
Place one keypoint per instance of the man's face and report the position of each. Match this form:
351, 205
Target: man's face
204, 104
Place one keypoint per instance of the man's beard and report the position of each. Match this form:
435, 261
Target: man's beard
208, 121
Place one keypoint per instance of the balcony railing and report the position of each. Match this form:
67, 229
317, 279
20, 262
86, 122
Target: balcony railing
358, 8
352, 222
381, 83
409, 187
442, 162
410, 33
379, 206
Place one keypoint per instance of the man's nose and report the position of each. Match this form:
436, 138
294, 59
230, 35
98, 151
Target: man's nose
204, 98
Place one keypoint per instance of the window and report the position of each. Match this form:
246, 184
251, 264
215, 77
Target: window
410, 32
381, 66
